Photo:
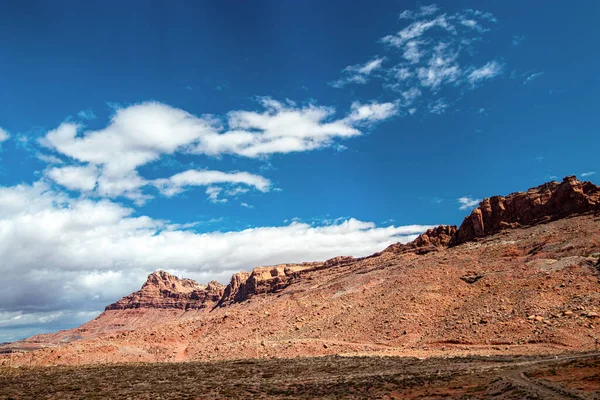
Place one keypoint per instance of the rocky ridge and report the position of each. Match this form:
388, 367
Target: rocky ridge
550, 201
547, 202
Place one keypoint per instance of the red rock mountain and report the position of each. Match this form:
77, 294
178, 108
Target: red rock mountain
520, 275
163, 290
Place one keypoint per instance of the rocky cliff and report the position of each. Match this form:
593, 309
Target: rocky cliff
547, 202
432, 240
244, 285
163, 290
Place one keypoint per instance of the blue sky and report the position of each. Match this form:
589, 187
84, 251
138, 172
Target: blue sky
204, 138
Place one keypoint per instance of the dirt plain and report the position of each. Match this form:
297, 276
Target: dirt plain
570, 376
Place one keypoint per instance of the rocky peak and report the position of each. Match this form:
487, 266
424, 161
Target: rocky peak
163, 280
163, 290
547, 202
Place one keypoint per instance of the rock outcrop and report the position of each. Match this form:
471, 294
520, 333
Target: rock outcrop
244, 285
433, 239
547, 202
163, 290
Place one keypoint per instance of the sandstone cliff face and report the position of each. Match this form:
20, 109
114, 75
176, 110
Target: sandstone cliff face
547, 202
244, 285
163, 290
433, 239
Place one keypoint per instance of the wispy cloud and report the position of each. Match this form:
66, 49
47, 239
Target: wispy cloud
213, 193
432, 53
48, 158
488, 71
358, 73
531, 77
438, 106
589, 173
422, 11
516, 40
86, 114
468, 202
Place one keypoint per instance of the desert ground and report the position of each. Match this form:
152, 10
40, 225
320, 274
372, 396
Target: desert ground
569, 376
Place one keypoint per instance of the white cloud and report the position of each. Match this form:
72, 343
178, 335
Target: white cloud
411, 51
94, 252
482, 15
75, 178
411, 95
589, 173
468, 202
423, 11
284, 128
371, 113
416, 30
142, 133
3, 135
177, 183
488, 71
531, 77
432, 53
359, 73
213, 193
438, 107
136, 135
441, 71
48, 158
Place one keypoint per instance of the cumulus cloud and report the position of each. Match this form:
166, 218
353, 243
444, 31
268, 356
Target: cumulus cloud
280, 128
468, 202
176, 183
140, 134
432, 53
94, 252
3, 135
75, 178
